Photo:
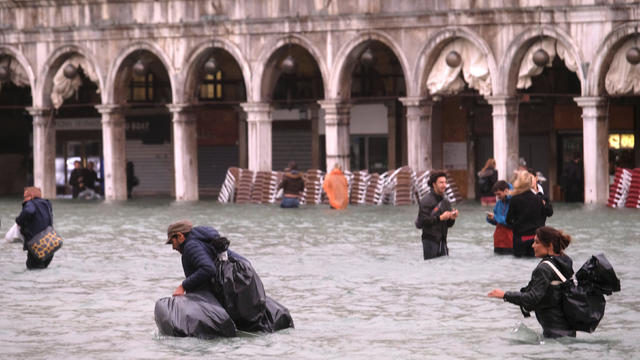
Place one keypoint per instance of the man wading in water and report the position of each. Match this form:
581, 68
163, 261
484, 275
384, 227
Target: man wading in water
435, 217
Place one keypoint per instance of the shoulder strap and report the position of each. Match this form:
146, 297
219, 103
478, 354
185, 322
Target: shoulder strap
562, 278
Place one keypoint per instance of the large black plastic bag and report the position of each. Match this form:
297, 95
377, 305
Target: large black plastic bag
276, 317
584, 303
240, 291
197, 314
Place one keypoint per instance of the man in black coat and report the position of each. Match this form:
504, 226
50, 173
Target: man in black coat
199, 247
435, 217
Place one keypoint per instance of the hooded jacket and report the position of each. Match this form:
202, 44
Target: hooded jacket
545, 298
198, 256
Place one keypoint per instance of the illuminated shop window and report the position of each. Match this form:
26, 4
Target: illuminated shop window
142, 87
621, 141
211, 87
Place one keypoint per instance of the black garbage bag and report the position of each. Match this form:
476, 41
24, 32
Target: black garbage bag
598, 273
583, 302
276, 317
197, 314
240, 291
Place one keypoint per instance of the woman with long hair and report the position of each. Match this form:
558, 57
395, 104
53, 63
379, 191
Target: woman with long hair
526, 214
543, 294
487, 177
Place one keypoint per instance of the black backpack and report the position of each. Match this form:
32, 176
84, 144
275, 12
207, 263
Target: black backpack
583, 299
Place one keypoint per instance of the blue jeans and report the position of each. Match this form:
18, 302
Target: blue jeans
289, 202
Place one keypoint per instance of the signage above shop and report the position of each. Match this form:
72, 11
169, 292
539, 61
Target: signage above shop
78, 123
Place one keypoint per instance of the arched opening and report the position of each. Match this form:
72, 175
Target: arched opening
621, 86
217, 88
462, 127
16, 153
377, 127
144, 86
550, 122
292, 82
78, 128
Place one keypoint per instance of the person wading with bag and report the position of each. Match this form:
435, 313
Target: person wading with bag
36, 216
543, 294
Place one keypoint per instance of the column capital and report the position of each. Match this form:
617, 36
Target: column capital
108, 109
253, 107
505, 100
590, 101
179, 108
37, 111
416, 101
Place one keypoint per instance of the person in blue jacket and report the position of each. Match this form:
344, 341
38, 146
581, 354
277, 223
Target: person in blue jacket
35, 216
503, 235
199, 247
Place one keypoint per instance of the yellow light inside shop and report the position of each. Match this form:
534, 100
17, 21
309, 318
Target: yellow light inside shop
627, 141
614, 141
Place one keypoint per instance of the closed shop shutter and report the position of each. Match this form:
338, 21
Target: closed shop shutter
213, 163
291, 144
153, 164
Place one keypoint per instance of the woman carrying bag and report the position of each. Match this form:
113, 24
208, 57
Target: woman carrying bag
36, 216
543, 294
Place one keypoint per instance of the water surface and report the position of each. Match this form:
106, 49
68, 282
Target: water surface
353, 280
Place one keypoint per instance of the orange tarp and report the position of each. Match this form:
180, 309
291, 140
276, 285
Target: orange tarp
337, 189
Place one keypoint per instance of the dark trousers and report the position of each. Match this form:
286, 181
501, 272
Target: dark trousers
432, 249
35, 263
522, 245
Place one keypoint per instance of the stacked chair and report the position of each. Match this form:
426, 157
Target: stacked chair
619, 190
633, 196
398, 187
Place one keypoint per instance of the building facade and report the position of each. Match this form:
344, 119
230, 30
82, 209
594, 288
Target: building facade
184, 89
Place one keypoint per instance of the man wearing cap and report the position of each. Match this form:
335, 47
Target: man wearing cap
199, 247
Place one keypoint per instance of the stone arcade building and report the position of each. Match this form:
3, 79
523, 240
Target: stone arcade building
187, 88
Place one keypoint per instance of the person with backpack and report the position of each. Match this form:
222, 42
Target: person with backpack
543, 294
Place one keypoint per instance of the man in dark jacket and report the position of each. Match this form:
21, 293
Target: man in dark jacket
197, 246
435, 217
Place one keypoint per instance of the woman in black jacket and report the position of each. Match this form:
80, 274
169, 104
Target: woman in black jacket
526, 214
543, 294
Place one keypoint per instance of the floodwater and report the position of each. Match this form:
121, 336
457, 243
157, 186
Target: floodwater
353, 280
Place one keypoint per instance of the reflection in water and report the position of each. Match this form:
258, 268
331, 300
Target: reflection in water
354, 281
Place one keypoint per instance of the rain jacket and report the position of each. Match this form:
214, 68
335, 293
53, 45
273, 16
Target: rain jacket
545, 297
434, 231
500, 211
198, 258
337, 189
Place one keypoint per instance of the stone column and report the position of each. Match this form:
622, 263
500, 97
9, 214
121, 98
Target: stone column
242, 136
114, 151
336, 118
506, 135
595, 134
44, 151
391, 135
258, 135
314, 113
419, 134
185, 152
